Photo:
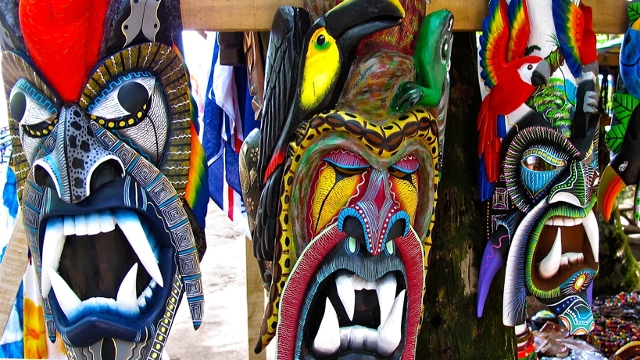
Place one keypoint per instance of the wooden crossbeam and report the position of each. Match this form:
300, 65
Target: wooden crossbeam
609, 16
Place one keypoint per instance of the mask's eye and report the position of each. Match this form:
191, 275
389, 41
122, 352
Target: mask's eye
542, 162
41, 129
125, 103
36, 114
346, 163
540, 165
405, 168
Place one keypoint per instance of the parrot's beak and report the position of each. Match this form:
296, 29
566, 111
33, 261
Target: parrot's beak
352, 20
610, 186
541, 74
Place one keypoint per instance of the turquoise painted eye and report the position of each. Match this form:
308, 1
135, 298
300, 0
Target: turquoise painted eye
352, 245
389, 247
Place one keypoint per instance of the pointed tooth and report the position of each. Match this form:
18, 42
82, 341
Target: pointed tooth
327, 341
107, 223
130, 225
386, 290
344, 285
126, 299
93, 224
69, 225
67, 299
590, 224
389, 333
81, 225
550, 265
51, 251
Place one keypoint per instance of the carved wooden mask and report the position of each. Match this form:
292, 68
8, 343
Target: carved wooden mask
100, 116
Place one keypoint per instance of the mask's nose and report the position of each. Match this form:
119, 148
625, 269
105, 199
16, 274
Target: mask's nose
78, 163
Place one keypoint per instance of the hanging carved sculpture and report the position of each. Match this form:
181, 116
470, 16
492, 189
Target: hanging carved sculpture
109, 169
346, 175
622, 139
537, 148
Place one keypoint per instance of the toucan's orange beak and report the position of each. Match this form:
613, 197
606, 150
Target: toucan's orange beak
610, 186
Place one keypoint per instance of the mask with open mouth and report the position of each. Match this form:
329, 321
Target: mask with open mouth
540, 218
343, 223
109, 170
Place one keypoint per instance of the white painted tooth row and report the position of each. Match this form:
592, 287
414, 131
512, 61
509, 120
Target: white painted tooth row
331, 338
563, 221
106, 220
347, 283
58, 228
126, 304
90, 224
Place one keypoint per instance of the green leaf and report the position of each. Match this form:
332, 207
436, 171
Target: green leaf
634, 12
613, 138
623, 105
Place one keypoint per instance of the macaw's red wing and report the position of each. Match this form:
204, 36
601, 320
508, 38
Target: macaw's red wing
569, 24
64, 39
493, 42
519, 29
488, 141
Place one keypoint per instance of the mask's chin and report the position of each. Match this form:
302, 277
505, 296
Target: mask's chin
353, 305
107, 272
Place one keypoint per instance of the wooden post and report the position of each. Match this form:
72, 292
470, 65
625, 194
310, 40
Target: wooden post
450, 329
12, 268
255, 301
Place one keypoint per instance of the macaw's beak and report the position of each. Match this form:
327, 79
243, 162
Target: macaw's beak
541, 74
353, 20
610, 186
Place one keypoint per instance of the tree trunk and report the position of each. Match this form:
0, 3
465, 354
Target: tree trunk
450, 329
